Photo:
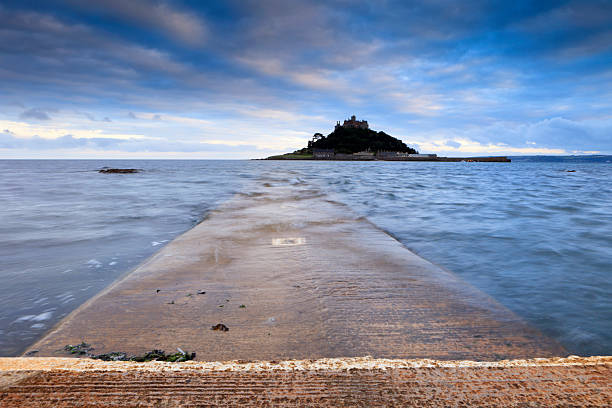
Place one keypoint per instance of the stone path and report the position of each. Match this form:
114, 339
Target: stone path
295, 275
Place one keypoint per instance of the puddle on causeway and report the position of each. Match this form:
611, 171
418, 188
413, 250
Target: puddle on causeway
288, 241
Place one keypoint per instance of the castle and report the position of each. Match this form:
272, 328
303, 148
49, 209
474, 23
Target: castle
353, 123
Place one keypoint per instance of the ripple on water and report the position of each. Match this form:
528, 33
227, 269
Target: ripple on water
533, 236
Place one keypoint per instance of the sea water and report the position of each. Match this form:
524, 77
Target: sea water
535, 234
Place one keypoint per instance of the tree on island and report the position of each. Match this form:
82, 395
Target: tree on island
353, 140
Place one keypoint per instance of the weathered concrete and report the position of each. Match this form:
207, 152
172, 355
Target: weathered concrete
46, 382
316, 281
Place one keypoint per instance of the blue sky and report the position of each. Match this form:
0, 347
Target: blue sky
246, 79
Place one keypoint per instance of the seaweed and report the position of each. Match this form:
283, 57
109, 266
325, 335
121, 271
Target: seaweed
80, 349
113, 356
153, 355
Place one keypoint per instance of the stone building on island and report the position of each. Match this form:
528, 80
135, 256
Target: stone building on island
323, 154
353, 123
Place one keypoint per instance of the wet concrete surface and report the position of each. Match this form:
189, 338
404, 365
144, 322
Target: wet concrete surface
294, 275
40, 382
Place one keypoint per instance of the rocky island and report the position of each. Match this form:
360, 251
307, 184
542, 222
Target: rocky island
354, 140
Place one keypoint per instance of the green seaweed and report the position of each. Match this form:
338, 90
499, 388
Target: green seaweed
80, 349
113, 356
153, 355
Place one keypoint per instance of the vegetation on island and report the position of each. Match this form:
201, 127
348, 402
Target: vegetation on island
353, 140
349, 140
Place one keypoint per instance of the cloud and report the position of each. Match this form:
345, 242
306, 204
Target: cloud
549, 136
182, 25
35, 113
8, 141
75, 55
452, 143
564, 133
93, 118
572, 29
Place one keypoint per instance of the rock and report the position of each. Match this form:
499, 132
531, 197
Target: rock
220, 327
119, 171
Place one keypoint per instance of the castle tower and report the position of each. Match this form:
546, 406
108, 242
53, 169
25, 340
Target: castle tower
354, 123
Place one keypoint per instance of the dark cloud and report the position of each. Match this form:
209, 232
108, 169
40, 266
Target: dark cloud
181, 24
93, 118
75, 55
34, 113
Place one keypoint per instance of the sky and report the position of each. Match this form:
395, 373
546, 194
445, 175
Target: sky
250, 78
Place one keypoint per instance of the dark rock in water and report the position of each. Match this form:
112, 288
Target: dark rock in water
220, 327
570, 171
118, 171
31, 353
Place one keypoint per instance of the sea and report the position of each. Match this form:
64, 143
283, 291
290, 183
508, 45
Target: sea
535, 234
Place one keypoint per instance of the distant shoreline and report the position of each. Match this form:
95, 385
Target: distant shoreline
489, 159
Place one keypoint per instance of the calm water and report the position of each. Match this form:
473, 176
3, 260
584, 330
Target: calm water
534, 236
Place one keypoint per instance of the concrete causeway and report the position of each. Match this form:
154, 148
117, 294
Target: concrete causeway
295, 275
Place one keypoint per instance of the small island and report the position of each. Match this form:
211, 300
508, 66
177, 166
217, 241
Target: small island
354, 140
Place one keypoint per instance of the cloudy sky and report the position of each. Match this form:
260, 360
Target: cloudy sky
244, 79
